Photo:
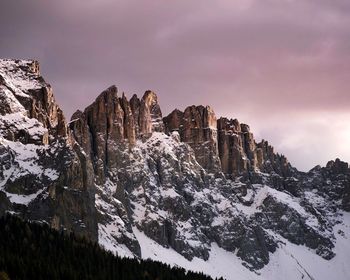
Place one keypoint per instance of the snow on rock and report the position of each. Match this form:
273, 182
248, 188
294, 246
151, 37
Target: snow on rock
21, 161
15, 122
23, 199
220, 263
263, 192
292, 262
113, 233
289, 262
181, 211
15, 75
10, 102
220, 208
26, 161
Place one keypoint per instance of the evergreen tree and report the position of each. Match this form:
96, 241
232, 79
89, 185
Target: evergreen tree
33, 251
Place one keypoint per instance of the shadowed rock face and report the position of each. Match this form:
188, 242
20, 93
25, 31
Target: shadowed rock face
333, 180
185, 181
232, 148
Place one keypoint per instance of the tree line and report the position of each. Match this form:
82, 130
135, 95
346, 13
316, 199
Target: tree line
35, 251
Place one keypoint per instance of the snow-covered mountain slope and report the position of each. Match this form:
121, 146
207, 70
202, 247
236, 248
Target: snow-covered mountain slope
200, 233
289, 262
187, 189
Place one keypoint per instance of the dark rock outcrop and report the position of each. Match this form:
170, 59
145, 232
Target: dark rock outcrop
332, 181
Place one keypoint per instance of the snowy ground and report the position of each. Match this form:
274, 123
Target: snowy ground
289, 262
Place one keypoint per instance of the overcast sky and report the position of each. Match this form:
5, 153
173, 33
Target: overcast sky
282, 66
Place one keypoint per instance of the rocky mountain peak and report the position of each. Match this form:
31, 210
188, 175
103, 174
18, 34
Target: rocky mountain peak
239, 153
150, 98
229, 125
111, 122
224, 145
197, 126
25, 97
150, 117
203, 187
338, 167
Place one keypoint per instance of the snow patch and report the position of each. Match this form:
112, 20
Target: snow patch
23, 199
220, 263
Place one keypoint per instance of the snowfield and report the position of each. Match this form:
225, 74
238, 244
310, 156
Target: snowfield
289, 262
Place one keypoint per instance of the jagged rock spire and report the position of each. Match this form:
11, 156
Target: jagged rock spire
197, 127
111, 121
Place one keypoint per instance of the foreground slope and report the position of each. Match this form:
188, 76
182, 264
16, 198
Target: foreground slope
61, 256
188, 189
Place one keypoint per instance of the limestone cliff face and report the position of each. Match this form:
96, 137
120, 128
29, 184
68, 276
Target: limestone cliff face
239, 152
224, 145
232, 148
112, 123
42, 168
44, 108
150, 116
197, 126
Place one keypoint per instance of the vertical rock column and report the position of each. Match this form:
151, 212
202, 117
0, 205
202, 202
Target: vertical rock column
239, 153
234, 161
197, 126
112, 124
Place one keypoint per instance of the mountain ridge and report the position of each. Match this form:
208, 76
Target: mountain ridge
121, 174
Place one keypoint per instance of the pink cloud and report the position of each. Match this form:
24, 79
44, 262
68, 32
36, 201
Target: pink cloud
264, 62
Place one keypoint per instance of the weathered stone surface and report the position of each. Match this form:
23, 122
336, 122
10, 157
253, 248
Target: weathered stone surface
232, 153
291, 225
239, 153
45, 109
112, 123
130, 130
197, 127
24, 94
150, 115
337, 167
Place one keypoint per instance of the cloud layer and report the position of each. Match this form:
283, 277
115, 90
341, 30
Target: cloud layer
282, 66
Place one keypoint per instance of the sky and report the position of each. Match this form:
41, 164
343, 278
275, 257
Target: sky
281, 66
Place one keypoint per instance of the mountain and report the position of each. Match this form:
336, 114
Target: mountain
187, 189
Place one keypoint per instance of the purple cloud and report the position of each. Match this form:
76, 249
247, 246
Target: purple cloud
281, 66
